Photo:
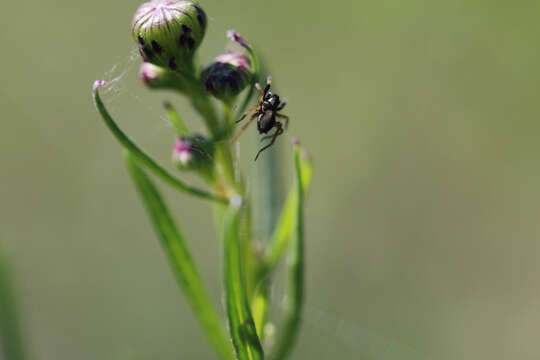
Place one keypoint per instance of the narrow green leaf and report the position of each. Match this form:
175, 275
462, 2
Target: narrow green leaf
278, 246
269, 178
146, 160
10, 330
241, 325
175, 119
260, 307
295, 295
286, 223
180, 259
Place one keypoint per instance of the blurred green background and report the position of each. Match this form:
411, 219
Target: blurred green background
422, 224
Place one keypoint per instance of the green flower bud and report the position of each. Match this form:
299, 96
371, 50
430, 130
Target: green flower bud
168, 32
227, 76
156, 77
194, 152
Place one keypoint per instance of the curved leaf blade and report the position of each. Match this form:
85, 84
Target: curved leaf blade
180, 259
130, 146
295, 295
287, 220
241, 325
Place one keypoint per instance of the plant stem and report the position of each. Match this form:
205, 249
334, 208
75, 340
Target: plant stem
201, 101
224, 156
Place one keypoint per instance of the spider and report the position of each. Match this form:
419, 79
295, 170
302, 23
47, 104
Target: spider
266, 111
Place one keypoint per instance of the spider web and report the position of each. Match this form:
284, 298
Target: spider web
125, 96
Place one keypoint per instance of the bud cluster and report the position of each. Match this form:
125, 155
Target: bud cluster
168, 33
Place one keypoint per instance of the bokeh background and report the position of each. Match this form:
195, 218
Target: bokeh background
422, 224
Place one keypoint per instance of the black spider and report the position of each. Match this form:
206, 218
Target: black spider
266, 112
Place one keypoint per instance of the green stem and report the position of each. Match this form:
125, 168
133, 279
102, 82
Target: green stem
201, 101
225, 165
295, 296
225, 158
238, 184
180, 259
241, 325
159, 171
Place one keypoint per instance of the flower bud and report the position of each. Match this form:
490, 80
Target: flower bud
227, 76
234, 36
168, 32
156, 77
194, 152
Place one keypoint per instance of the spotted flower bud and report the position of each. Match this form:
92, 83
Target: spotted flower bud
157, 77
194, 152
168, 32
227, 76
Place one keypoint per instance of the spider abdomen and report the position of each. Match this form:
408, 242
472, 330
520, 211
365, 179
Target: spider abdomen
266, 121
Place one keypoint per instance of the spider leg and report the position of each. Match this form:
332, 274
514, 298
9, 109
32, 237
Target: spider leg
284, 117
268, 84
261, 97
274, 137
282, 105
280, 130
244, 127
246, 114
258, 86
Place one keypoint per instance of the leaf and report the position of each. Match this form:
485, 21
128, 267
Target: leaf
176, 120
241, 325
295, 295
286, 223
141, 156
279, 243
260, 305
180, 259
269, 176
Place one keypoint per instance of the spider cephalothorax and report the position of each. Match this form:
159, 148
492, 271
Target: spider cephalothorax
266, 112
